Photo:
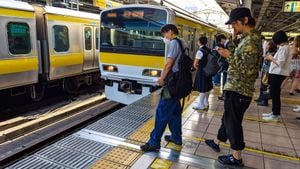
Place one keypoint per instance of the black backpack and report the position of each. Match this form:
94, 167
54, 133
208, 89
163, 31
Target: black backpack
180, 83
212, 66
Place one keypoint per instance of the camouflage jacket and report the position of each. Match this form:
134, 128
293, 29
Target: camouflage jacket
244, 64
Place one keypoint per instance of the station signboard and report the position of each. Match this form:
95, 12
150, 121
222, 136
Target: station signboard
291, 6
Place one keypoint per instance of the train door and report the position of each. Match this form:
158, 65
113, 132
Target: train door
89, 47
96, 50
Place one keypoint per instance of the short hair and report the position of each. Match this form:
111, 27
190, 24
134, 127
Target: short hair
262, 38
220, 37
279, 37
168, 27
203, 40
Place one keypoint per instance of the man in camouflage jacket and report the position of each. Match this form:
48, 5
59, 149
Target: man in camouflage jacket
244, 62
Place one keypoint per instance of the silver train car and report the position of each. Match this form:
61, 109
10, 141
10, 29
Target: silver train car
46, 46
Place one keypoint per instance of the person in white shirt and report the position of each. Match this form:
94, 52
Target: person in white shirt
278, 71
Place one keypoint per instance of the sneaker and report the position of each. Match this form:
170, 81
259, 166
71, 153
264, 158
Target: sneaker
267, 114
168, 138
198, 108
274, 118
298, 118
148, 148
297, 90
213, 145
230, 160
291, 93
296, 109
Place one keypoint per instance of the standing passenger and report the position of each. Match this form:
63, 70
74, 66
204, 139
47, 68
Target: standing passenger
278, 71
169, 109
243, 69
203, 83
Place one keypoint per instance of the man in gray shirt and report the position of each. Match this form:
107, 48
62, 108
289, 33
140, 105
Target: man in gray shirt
168, 110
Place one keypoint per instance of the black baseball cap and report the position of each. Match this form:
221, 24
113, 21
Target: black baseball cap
238, 13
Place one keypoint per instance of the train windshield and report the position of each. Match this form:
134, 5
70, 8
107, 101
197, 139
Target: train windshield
133, 30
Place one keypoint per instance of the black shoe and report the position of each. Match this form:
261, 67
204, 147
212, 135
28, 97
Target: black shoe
298, 118
230, 160
213, 145
168, 138
148, 148
291, 93
257, 100
221, 98
263, 103
297, 90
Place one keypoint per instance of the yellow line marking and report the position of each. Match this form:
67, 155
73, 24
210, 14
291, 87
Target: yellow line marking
53, 17
16, 13
66, 59
249, 149
16, 65
161, 164
132, 60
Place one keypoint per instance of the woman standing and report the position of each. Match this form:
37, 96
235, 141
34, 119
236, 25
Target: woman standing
279, 70
203, 83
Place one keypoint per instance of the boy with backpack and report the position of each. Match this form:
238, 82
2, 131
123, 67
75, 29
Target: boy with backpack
169, 109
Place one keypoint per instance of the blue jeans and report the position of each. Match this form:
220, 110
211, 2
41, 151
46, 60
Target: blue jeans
167, 112
216, 79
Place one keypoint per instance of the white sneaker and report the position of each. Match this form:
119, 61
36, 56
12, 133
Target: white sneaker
296, 109
272, 118
267, 114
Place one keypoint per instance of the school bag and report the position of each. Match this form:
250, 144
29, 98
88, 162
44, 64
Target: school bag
180, 83
212, 66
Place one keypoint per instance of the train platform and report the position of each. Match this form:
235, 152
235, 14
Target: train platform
113, 141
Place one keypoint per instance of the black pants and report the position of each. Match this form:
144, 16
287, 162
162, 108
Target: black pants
231, 128
275, 89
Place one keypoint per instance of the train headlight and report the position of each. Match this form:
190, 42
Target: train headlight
110, 68
151, 72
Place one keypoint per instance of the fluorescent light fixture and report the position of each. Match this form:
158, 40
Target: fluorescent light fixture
241, 2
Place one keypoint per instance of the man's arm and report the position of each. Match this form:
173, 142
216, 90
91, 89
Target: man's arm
168, 66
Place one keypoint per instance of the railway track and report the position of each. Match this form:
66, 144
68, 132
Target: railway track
23, 135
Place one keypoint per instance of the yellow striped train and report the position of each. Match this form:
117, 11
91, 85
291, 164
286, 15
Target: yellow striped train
132, 50
46, 46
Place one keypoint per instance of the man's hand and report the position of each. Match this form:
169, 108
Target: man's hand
224, 52
160, 81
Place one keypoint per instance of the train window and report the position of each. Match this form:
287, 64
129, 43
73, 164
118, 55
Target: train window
61, 38
88, 38
97, 38
133, 30
18, 38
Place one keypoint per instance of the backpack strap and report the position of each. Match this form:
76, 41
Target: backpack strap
181, 46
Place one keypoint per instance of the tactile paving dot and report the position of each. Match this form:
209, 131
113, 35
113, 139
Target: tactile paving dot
121, 156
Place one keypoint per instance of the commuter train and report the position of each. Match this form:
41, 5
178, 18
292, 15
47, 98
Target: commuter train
132, 49
46, 46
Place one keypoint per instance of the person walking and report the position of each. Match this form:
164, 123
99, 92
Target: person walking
244, 65
168, 111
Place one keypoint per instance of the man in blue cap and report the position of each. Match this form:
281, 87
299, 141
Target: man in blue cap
244, 64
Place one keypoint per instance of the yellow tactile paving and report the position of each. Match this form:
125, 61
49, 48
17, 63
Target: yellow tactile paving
121, 156
174, 146
105, 164
140, 136
161, 164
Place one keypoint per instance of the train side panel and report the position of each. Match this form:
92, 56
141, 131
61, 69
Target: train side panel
19, 62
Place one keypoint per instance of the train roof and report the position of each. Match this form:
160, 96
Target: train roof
68, 12
12, 4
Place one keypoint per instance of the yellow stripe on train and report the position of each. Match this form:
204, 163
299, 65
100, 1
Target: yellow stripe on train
18, 65
52, 17
16, 13
66, 59
132, 60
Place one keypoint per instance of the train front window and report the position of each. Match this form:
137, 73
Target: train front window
18, 38
134, 30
